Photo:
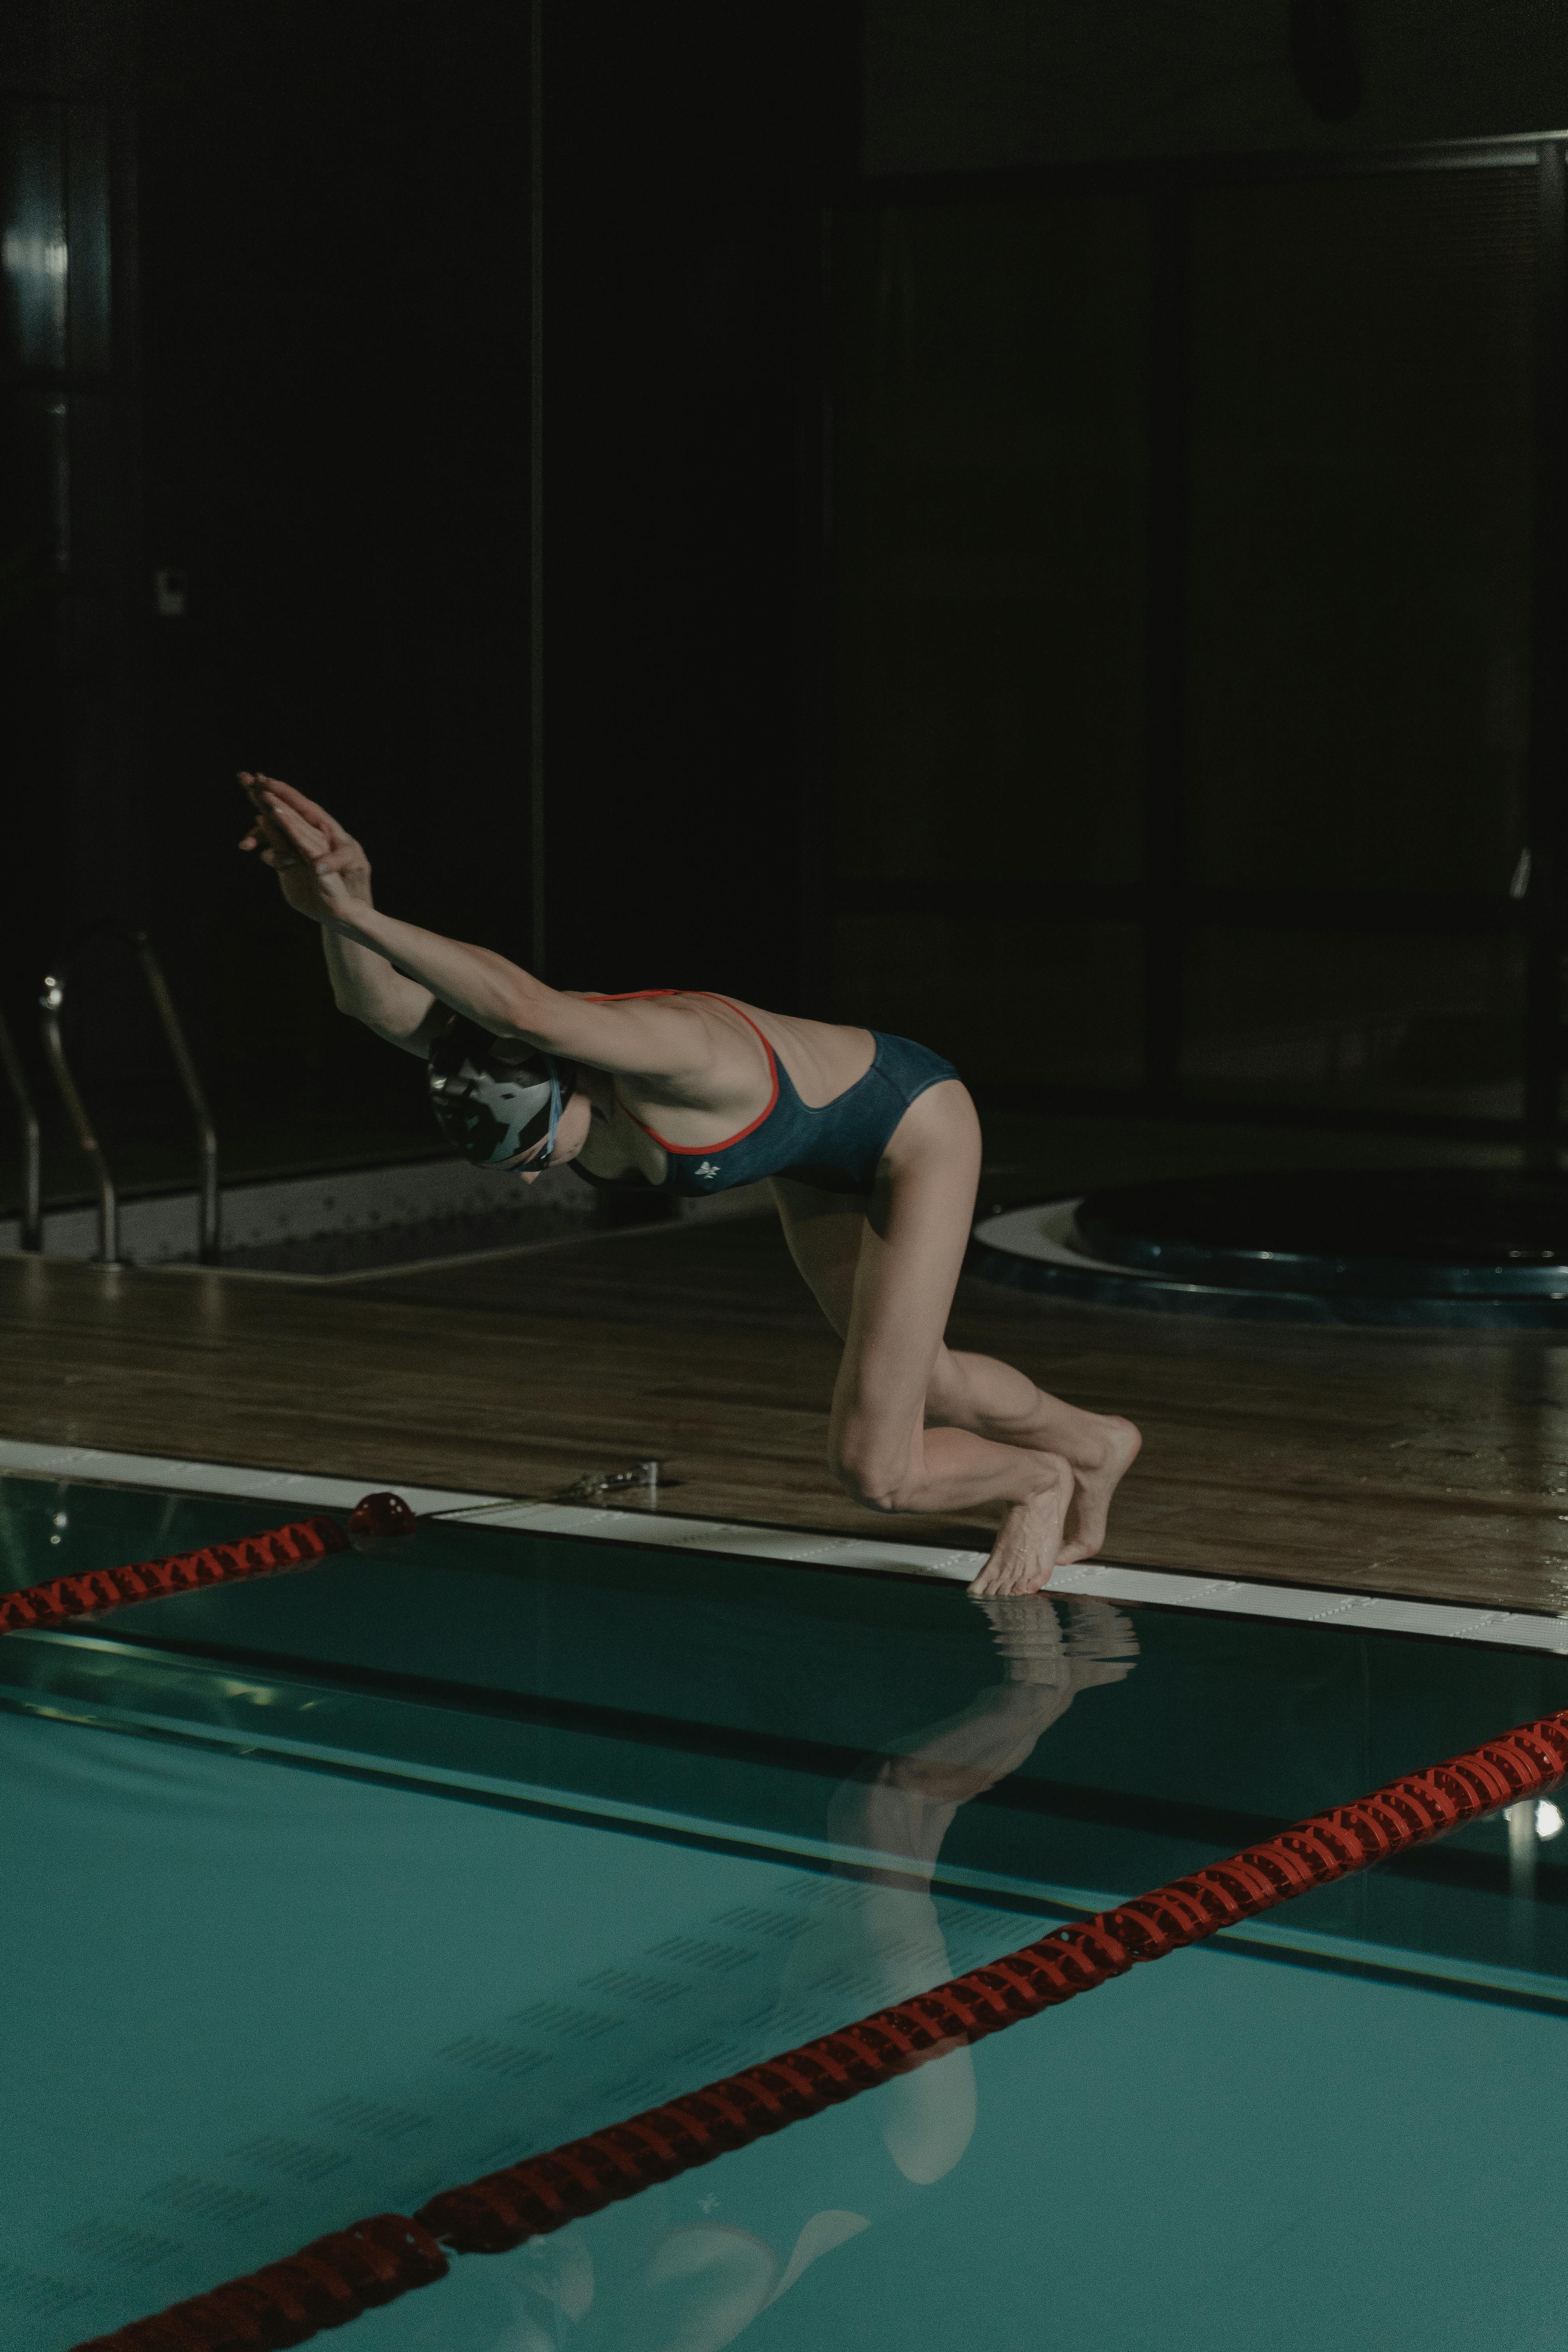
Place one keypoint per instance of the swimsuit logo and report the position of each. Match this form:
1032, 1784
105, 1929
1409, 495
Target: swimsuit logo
707, 1168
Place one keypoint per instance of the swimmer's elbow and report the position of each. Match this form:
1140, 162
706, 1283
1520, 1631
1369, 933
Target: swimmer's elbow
529, 1015
413, 1041
415, 1038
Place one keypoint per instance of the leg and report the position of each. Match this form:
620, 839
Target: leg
977, 1392
914, 1426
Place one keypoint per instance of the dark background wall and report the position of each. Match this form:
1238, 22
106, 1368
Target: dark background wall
321, 386
313, 408
334, 244
1199, 729
687, 154
968, 85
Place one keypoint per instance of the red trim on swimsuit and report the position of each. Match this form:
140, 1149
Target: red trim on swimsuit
698, 1150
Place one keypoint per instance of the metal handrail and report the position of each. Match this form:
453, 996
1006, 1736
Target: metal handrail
32, 1144
52, 1003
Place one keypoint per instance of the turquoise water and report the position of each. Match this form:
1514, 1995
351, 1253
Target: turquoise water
326, 1893
1217, 2156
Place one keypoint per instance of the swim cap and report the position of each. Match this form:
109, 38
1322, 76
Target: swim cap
488, 1107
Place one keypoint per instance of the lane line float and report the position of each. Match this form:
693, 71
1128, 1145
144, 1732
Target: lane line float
336, 2277
374, 1524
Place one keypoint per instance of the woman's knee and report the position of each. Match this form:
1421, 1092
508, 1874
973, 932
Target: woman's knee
870, 1467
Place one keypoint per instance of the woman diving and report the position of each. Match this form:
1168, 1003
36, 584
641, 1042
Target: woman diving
870, 1143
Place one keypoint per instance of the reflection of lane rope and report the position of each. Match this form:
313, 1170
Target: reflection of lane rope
337, 2277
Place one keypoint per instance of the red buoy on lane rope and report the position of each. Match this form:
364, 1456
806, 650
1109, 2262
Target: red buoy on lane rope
380, 1522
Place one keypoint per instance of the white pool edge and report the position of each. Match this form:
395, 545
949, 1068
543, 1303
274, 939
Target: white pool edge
734, 1539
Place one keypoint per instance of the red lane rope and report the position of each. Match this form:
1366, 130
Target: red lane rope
273, 1553
322, 2287
325, 2284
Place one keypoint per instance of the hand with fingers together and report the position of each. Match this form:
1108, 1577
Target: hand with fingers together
322, 870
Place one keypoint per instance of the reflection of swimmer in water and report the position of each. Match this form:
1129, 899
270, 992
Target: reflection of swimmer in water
870, 1143
686, 2268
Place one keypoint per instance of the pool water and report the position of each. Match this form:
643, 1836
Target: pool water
324, 1893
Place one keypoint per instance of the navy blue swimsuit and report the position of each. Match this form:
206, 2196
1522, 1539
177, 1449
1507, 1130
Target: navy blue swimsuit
837, 1148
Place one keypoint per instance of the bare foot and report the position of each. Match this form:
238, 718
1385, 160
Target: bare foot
1030, 1541
1100, 1459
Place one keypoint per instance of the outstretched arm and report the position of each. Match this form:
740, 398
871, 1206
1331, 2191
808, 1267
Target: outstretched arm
397, 978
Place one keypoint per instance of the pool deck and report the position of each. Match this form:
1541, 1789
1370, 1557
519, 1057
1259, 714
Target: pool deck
1432, 1465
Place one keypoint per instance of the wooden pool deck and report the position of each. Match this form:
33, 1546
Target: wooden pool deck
1430, 1465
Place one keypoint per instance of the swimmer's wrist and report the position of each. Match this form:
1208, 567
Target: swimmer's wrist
359, 926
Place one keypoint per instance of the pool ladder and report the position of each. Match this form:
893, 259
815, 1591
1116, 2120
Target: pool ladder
52, 1005
32, 1142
